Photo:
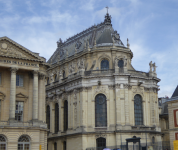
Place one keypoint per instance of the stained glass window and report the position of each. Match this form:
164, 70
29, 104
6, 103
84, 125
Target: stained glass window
100, 111
101, 143
55, 146
65, 115
24, 143
2, 143
56, 118
19, 111
48, 116
138, 111
104, 64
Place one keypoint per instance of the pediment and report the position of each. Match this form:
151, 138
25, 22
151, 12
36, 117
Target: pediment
9, 48
21, 97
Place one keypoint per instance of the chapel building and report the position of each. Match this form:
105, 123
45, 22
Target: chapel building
22, 98
95, 97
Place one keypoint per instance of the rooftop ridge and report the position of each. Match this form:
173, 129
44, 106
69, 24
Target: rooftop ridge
83, 32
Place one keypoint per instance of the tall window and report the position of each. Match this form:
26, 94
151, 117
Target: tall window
138, 111
55, 77
65, 115
100, 111
101, 143
24, 143
2, 142
48, 116
56, 118
0, 111
19, 80
0, 78
121, 65
63, 74
55, 146
104, 64
64, 145
19, 111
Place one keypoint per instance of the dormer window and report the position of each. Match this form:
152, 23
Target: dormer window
19, 80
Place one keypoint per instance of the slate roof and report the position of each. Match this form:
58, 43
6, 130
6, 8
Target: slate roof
175, 92
103, 33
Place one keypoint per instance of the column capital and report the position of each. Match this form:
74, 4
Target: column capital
35, 72
41, 75
13, 69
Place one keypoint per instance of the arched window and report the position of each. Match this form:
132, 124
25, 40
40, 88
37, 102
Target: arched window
138, 111
56, 118
24, 143
100, 143
153, 140
121, 65
65, 115
100, 111
104, 64
63, 74
55, 77
48, 116
3, 142
55, 146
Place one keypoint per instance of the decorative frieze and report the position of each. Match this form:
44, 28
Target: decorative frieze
100, 135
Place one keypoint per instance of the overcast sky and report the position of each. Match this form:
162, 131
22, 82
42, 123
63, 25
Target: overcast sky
150, 25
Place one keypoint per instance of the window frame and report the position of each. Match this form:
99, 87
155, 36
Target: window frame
18, 111
138, 118
102, 61
4, 142
99, 141
65, 115
23, 143
99, 108
19, 80
56, 118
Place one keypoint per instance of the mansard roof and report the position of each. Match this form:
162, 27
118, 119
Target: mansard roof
102, 34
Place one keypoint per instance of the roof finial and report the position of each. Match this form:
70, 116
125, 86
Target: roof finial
107, 9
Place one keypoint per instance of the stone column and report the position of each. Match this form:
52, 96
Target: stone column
35, 95
12, 94
41, 98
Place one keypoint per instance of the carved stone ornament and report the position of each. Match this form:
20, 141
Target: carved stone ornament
100, 135
100, 90
138, 90
21, 97
64, 96
75, 94
47, 102
6, 50
127, 86
71, 68
2, 96
111, 87
41, 76
35, 72
116, 62
13, 70
81, 64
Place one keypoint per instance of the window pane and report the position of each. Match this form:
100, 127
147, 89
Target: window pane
65, 115
138, 110
20, 146
17, 80
20, 80
100, 111
48, 116
2, 146
19, 111
27, 147
56, 117
104, 64
101, 143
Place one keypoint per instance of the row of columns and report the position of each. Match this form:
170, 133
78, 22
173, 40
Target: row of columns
35, 113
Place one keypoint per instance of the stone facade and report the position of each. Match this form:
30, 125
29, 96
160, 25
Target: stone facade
76, 76
22, 96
